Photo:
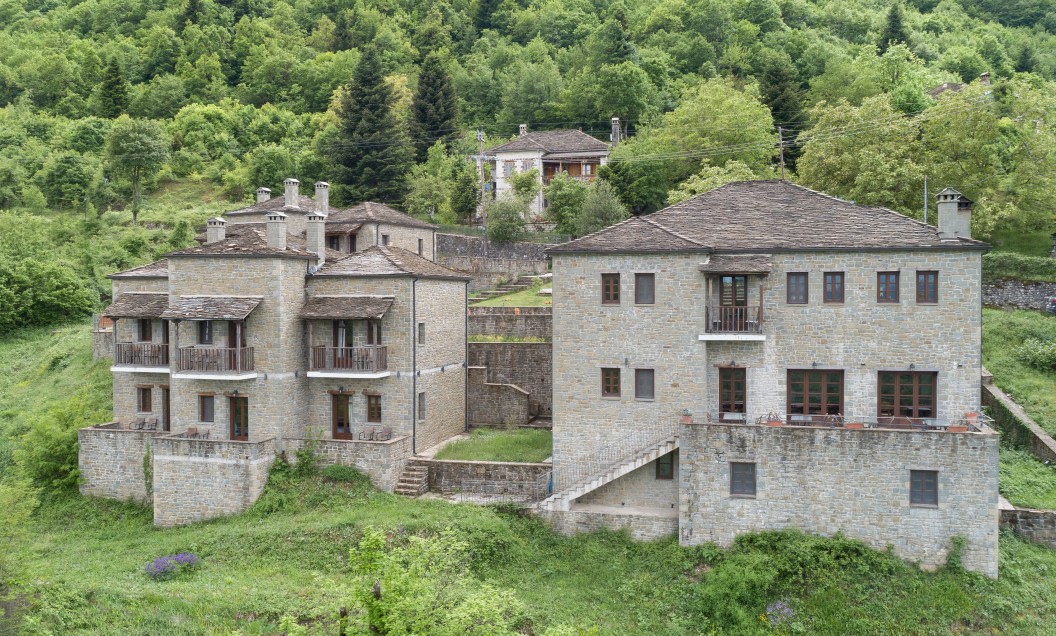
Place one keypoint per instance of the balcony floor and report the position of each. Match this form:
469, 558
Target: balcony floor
214, 375
131, 368
733, 337
348, 373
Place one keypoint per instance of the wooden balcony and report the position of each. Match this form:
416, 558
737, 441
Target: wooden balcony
734, 320
366, 359
215, 359
141, 354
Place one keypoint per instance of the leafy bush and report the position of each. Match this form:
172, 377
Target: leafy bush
40, 292
998, 265
506, 220
47, 452
169, 567
345, 474
1040, 354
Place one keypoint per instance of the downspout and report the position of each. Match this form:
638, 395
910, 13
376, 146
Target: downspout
465, 362
377, 237
414, 366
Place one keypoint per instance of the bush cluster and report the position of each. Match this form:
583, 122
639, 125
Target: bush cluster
999, 265
1037, 353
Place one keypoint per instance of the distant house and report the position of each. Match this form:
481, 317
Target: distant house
550, 152
956, 87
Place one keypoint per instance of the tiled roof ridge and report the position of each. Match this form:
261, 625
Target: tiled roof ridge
596, 232
660, 226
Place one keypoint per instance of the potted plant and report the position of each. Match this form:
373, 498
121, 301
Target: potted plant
687, 417
855, 425
773, 419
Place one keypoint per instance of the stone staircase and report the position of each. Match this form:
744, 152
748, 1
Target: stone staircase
562, 500
515, 285
414, 480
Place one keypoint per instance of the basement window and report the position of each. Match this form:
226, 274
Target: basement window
665, 466
924, 488
742, 479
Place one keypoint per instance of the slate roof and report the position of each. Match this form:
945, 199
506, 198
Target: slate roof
157, 269
557, 141
386, 261
251, 239
211, 308
738, 264
304, 203
956, 87
765, 216
138, 305
369, 212
346, 307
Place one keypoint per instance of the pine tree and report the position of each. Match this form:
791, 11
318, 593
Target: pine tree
1026, 62
895, 31
782, 90
113, 92
434, 110
465, 195
485, 18
370, 150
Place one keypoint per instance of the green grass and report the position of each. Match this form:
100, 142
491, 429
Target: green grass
1026, 481
525, 298
1032, 243
1003, 333
489, 445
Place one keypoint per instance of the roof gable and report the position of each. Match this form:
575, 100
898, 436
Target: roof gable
386, 261
370, 212
548, 141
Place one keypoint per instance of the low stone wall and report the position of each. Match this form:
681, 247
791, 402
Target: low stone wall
520, 481
642, 527
495, 404
195, 479
381, 461
517, 322
111, 462
487, 273
527, 365
1038, 526
1016, 426
1015, 293
102, 344
461, 245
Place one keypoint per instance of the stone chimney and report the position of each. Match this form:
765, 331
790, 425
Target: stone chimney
984, 78
215, 230
322, 197
315, 234
955, 215
524, 129
292, 193
277, 230
263, 194
615, 136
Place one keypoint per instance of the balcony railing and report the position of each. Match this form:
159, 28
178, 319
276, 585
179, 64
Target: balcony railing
142, 354
367, 359
734, 319
964, 424
218, 359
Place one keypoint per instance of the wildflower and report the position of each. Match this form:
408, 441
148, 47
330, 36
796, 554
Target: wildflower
779, 613
166, 567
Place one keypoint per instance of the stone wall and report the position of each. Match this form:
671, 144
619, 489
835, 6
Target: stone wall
111, 462
855, 482
521, 481
642, 527
102, 343
489, 272
460, 245
518, 322
528, 365
381, 461
195, 480
495, 404
1018, 427
1015, 293
1038, 526
639, 488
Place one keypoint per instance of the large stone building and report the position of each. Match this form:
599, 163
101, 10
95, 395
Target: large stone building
853, 331
262, 339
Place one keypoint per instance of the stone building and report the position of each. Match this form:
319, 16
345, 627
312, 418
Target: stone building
260, 340
764, 356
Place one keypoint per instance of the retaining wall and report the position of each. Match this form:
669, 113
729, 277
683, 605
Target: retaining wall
460, 245
487, 273
111, 462
642, 527
1038, 526
381, 461
519, 322
522, 481
495, 404
1016, 426
528, 365
1015, 293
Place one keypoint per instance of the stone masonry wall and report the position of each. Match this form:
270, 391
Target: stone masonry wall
488, 272
381, 461
528, 365
641, 527
111, 462
1020, 294
441, 358
195, 480
103, 344
459, 245
1017, 427
1038, 526
518, 480
639, 488
495, 404
517, 322
825, 481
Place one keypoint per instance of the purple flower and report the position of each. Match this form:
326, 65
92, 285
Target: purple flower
779, 612
166, 567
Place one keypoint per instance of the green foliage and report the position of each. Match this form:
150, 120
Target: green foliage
465, 193
519, 445
47, 451
148, 471
895, 31
35, 292
1040, 354
137, 148
434, 111
709, 178
18, 500
999, 265
525, 185
601, 208
505, 220
1025, 480
112, 99
565, 197
346, 474
430, 186
1004, 333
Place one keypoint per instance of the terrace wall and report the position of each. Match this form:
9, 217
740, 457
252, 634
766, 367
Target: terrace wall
111, 462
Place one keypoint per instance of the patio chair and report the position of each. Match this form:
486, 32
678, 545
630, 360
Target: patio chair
151, 424
205, 434
384, 435
138, 423
368, 433
192, 431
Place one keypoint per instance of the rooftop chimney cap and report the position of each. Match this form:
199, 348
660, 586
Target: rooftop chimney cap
216, 222
291, 181
949, 194
263, 190
276, 216
523, 129
984, 77
321, 184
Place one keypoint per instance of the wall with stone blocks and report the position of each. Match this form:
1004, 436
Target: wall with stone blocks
519, 322
528, 365
825, 481
1038, 526
381, 461
639, 488
1017, 426
195, 480
488, 272
111, 462
103, 344
1020, 294
640, 527
518, 480
495, 404
461, 245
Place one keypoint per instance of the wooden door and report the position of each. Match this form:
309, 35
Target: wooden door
166, 409
238, 407
732, 394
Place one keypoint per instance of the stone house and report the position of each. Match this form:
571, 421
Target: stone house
262, 339
550, 152
763, 356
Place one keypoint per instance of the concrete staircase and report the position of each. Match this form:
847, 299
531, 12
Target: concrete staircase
414, 480
562, 500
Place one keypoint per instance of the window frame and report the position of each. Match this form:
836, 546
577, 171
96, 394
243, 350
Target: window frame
915, 394
333, 242
610, 288
830, 281
145, 327
665, 470
421, 406
202, 401
145, 399
233, 412
421, 247
923, 488
823, 400
789, 276
384, 240
728, 389
205, 332
882, 287
925, 300
610, 378
374, 413
638, 277
335, 399
652, 384
421, 333
739, 482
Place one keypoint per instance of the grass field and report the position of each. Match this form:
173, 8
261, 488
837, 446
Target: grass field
1026, 481
489, 445
525, 298
1003, 333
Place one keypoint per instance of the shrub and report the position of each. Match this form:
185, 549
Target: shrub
1037, 353
998, 265
346, 474
169, 567
506, 220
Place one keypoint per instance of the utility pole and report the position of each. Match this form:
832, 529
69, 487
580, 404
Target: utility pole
781, 147
483, 189
925, 198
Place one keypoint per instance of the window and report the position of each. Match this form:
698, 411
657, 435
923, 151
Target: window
665, 466
205, 332
610, 289
644, 289
351, 243
733, 291
812, 392
610, 382
146, 330
742, 479
731, 394
421, 247
887, 287
588, 168
421, 333
334, 243
206, 408
341, 408
373, 332
239, 417
643, 384
143, 401
421, 406
927, 287
924, 488
507, 169
797, 288
833, 292
384, 239
907, 394
373, 408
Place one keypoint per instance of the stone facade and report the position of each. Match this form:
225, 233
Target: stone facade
640, 489
382, 461
527, 365
522, 481
1038, 526
111, 462
1019, 294
398, 236
487, 273
461, 245
640, 526
495, 404
517, 322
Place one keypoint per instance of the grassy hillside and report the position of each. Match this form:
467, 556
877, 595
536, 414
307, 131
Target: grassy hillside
1004, 333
